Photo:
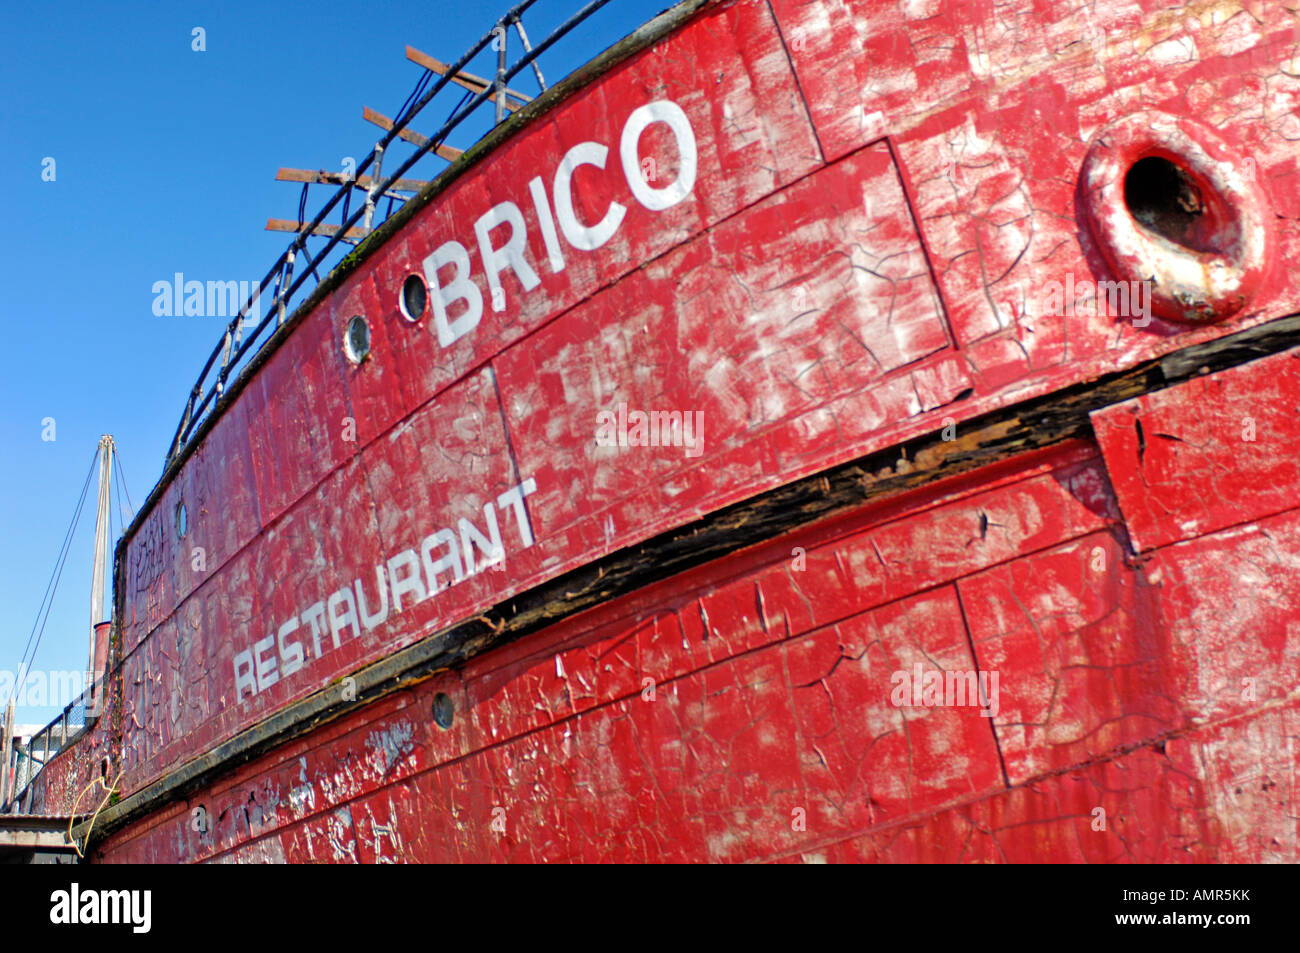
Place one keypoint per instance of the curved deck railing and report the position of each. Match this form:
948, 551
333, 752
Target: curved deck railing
29, 759
234, 347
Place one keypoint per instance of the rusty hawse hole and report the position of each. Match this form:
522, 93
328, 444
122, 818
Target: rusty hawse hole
1166, 199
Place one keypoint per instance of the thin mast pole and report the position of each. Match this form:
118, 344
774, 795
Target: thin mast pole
101, 543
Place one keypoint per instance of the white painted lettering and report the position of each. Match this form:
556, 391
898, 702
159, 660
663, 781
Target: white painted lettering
266, 673
583, 237
290, 652
671, 115
341, 620
490, 544
244, 677
461, 288
367, 619
315, 614
510, 255
449, 560
551, 238
412, 583
514, 498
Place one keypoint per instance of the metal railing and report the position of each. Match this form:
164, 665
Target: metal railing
281, 279
31, 757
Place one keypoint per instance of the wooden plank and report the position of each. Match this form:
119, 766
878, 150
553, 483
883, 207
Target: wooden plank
363, 182
475, 84
285, 225
383, 122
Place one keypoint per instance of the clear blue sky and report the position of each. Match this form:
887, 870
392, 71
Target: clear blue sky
165, 161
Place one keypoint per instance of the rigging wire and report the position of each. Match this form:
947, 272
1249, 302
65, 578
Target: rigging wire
121, 478
120, 509
47, 601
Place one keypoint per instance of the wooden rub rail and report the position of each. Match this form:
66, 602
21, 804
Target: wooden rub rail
475, 84
408, 135
284, 225
363, 182
996, 436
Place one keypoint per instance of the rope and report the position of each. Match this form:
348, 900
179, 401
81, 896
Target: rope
108, 793
121, 476
47, 601
121, 513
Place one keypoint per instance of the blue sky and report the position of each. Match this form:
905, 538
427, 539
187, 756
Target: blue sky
164, 162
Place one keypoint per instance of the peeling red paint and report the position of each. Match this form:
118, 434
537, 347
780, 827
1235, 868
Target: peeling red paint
1214, 452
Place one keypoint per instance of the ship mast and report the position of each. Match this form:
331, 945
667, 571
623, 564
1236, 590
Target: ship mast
97, 616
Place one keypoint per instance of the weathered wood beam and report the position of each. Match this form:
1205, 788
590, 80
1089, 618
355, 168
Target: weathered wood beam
475, 84
363, 182
285, 225
383, 122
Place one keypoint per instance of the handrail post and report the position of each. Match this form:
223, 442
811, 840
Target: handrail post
528, 48
288, 278
376, 178
500, 82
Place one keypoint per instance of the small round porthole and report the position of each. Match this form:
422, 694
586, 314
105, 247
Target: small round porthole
443, 712
414, 298
356, 340
182, 521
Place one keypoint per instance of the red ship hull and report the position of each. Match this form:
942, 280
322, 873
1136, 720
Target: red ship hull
945, 556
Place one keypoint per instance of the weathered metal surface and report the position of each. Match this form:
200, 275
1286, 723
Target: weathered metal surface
67, 783
285, 225
807, 271
27, 838
1213, 452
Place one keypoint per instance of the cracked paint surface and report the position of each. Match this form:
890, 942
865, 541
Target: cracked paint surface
1216, 451
766, 696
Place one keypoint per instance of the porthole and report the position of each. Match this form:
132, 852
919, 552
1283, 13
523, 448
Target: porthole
415, 296
443, 711
182, 521
356, 340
